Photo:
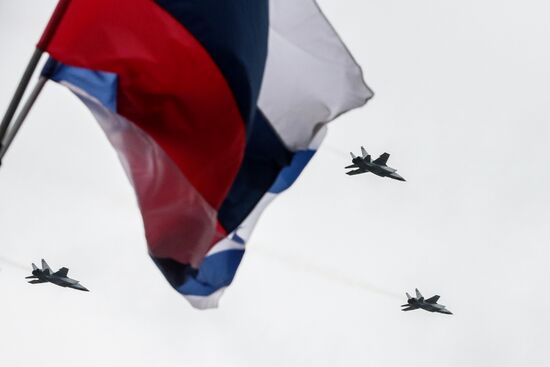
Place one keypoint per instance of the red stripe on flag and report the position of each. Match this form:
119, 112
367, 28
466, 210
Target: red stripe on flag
168, 85
53, 24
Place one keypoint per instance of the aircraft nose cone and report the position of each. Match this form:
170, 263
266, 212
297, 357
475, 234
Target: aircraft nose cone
80, 287
396, 176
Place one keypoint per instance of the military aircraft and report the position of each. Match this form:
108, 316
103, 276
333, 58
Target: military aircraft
59, 278
430, 304
378, 166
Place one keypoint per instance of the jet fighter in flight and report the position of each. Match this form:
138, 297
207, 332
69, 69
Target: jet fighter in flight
429, 304
378, 166
59, 278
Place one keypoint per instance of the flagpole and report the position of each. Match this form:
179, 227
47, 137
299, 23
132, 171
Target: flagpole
18, 95
22, 116
41, 47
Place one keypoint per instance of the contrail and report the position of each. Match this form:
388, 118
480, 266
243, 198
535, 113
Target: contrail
15, 264
336, 151
327, 273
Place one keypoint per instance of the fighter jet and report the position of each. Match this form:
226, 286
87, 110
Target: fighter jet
59, 278
429, 304
378, 166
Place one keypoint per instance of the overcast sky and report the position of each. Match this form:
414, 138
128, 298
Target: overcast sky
462, 106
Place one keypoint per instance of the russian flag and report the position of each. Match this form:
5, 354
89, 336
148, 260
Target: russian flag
214, 108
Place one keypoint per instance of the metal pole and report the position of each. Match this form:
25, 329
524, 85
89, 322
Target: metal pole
19, 92
22, 116
43, 43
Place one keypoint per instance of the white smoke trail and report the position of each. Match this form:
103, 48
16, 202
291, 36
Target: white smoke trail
330, 274
14, 264
336, 151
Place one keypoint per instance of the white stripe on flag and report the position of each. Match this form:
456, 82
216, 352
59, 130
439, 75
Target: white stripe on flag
310, 76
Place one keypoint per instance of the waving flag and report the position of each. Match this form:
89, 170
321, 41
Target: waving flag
214, 108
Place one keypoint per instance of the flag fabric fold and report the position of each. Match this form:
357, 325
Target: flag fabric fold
213, 107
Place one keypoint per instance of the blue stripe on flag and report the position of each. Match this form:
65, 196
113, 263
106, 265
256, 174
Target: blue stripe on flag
265, 156
235, 35
100, 85
290, 173
216, 271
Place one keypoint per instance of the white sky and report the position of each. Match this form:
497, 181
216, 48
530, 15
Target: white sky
461, 104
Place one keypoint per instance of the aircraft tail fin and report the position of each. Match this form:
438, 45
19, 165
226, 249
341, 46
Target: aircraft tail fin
364, 153
382, 160
408, 295
46, 267
63, 272
352, 155
34, 267
418, 294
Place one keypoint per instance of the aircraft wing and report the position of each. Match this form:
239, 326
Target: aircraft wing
62, 272
382, 160
410, 308
355, 172
433, 299
37, 281
351, 166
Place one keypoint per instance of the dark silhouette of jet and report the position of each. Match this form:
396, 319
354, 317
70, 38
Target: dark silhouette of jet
59, 278
429, 304
378, 166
